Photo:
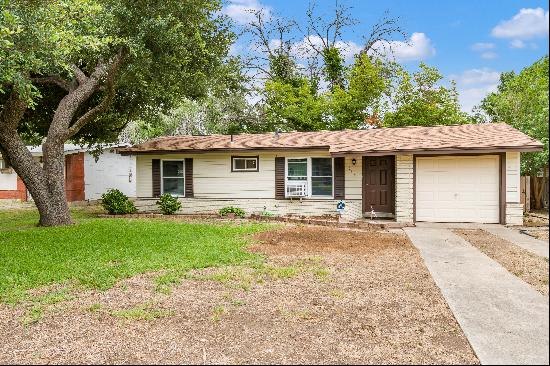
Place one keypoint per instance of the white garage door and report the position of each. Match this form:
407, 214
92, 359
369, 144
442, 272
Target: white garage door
457, 189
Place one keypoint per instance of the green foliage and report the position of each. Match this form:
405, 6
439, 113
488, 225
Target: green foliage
168, 204
117, 203
350, 107
234, 210
418, 100
334, 68
293, 107
522, 101
97, 253
173, 50
354, 95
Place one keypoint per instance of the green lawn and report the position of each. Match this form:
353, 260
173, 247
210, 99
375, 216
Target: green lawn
98, 252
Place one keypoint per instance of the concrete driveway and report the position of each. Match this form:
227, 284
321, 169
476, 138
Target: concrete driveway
504, 318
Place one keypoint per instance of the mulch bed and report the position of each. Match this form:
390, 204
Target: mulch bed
353, 298
312, 220
530, 267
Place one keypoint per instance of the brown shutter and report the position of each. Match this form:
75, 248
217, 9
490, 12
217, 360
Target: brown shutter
339, 178
156, 177
188, 177
280, 178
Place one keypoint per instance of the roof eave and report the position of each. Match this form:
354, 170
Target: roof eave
441, 151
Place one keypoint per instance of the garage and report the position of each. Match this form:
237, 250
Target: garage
458, 188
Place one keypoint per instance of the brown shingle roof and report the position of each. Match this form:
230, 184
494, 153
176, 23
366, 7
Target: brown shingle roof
490, 137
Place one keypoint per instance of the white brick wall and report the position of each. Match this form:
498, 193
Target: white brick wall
404, 188
514, 214
306, 207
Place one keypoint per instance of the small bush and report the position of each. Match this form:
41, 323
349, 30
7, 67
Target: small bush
234, 210
168, 204
117, 203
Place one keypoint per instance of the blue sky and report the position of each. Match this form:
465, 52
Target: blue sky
469, 41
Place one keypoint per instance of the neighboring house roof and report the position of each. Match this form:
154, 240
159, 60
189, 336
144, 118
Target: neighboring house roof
473, 137
73, 148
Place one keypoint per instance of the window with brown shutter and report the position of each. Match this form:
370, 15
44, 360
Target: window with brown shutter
156, 177
339, 178
189, 177
280, 178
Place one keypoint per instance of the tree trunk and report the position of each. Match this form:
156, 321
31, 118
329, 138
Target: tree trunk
47, 191
44, 190
46, 183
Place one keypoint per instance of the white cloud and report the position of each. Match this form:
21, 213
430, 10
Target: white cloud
348, 49
303, 49
527, 24
489, 55
482, 46
474, 84
476, 77
241, 10
517, 43
418, 47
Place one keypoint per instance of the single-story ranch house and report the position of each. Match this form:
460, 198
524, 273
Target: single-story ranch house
463, 173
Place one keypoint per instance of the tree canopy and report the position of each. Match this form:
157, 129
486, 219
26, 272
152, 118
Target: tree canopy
170, 50
80, 70
521, 100
418, 99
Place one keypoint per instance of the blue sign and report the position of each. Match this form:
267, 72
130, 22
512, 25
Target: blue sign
340, 206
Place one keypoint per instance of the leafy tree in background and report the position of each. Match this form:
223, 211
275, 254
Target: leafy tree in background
522, 101
308, 85
367, 80
79, 70
418, 100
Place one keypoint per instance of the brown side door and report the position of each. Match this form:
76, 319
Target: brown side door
378, 184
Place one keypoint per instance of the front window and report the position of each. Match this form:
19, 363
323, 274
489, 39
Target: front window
173, 177
309, 177
244, 164
321, 176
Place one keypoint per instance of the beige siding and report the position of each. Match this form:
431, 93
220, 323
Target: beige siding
354, 178
213, 178
512, 177
404, 188
514, 209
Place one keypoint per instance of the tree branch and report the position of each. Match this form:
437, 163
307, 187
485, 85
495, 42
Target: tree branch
111, 71
53, 79
79, 74
12, 112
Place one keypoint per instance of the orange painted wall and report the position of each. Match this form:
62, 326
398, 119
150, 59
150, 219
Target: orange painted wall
74, 177
74, 181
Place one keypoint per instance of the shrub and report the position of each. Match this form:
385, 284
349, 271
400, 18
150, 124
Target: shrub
234, 210
168, 204
117, 203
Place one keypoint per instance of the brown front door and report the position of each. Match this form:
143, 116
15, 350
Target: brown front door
378, 185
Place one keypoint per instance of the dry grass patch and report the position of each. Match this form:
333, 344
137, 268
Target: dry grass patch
322, 296
530, 267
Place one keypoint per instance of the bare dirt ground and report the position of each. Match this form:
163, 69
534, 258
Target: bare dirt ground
535, 224
322, 296
531, 268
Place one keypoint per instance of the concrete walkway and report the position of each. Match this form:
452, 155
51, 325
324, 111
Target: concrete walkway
504, 318
536, 246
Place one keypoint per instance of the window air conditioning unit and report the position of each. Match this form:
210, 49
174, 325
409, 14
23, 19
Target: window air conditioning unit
296, 189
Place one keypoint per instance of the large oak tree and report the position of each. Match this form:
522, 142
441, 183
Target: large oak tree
79, 70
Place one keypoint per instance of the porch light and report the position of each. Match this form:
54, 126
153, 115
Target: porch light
353, 161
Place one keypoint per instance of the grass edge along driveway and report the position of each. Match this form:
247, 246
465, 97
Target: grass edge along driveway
96, 253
